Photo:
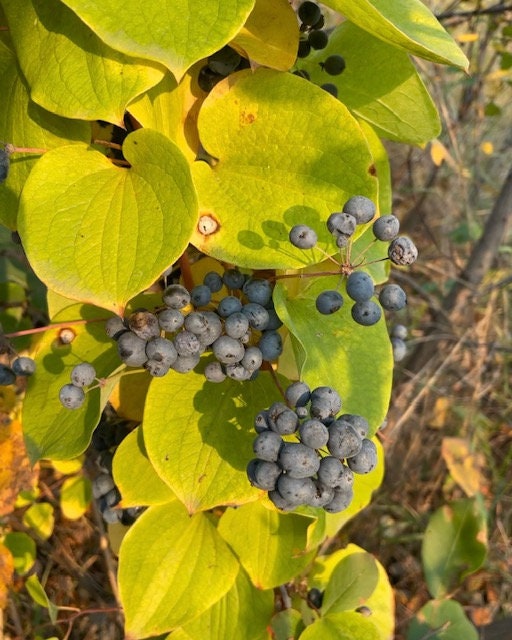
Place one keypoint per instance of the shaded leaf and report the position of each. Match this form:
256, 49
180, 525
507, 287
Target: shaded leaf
23, 550
123, 228
50, 430
357, 354
260, 185
381, 602
454, 545
287, 624
386, 90
341, 626
38, 594
24, 124
352, 581
441, 620
159, 564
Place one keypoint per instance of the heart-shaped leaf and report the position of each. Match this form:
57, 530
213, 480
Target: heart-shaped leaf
286, 153
110, 231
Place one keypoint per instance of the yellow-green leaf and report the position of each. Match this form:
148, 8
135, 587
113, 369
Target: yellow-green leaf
172, 568
40, 518
408, 24
175, 33
286, 153
69, 70
386, 90
270, 36
25, 124
135, 476
111, 231
75, 496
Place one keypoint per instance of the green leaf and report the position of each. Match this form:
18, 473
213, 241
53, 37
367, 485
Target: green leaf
69, 70
172, 109
408, 24
287, 153
441, 620
38, 595
40, 518
351, 583
23, 550
270, 36
50, 430
24, 124
75, 496
287, 624
175, 33
135, 476
270, 545
386, 90
357, 354
199, 435
244, 612
111, 231
454, 545
381, 601
341, 626
382, 168
172, 567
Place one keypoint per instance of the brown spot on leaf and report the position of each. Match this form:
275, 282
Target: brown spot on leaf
372, 170
247, 118
208, 225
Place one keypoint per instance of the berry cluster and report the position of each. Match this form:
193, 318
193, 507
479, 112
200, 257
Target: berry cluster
398, 337
72, 395
107, 436
360, 287
220, 65
240, 331
317, 471
313, 36
20, 366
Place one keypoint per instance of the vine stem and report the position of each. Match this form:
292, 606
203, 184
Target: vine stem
57, 325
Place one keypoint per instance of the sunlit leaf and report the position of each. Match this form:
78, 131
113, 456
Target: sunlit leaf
408, 24
270, 545
159, 564
69, 70
24, 124
286, 153
175, 33
123, 227
201, 448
